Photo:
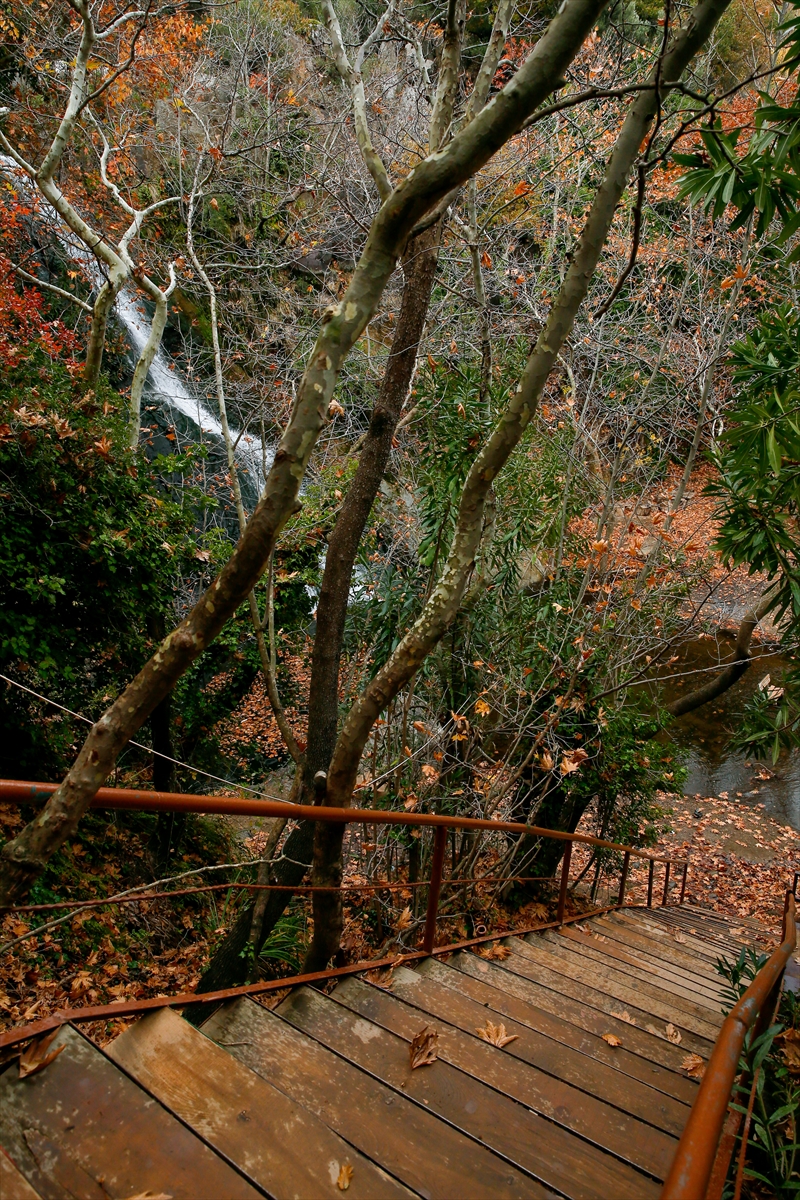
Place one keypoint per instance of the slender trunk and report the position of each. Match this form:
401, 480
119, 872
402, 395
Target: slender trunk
24, 857
101, 312
444, 603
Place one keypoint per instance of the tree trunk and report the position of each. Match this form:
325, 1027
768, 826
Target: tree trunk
24, 857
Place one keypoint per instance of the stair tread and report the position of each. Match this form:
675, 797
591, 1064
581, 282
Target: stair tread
82, 1127
633, 961
13, 1184
501, 1124
661, 949
601, 1081
689, 995
277, 1143
411, 1141
571, 1037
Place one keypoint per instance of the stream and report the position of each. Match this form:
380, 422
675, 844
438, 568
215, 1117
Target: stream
703, 736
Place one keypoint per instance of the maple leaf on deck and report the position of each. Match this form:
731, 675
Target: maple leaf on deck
345, 1175
612, 1039
422, 1051
496, 1034
694, 1066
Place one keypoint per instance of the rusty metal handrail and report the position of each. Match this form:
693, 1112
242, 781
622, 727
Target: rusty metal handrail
128, 798
691, 1168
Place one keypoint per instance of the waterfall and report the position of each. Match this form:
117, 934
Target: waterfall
165, 386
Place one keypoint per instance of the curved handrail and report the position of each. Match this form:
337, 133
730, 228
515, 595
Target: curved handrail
691, 1169
15, 790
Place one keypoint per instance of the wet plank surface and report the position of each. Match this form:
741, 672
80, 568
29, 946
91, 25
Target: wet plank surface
599, 1080
81, 1128
583, 1038
277, 1143
429, 1155
519, 1135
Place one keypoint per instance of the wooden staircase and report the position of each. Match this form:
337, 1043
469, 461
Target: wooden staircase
318, 1096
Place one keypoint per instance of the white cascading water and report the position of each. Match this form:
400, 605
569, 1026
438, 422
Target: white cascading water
164, 385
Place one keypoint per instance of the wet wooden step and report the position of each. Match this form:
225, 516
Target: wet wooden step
659, 949
81, 1128
427, 1154
275, 1142
696, 1014
13, 1184
510, 1129
706, 949
614, 986
587, 1009
570, 1038
636, 968
635, 960
601, 1081
511, 1072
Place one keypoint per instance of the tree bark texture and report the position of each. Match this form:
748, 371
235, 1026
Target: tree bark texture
445, 599
24, 857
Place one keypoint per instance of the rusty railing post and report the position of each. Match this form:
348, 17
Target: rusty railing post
435, 887
650, 883
626, 862
665, 896
683, 882
562, 895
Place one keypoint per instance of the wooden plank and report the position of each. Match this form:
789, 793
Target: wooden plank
277, 1143
598, 1080
13, 1184
658, 948
668, 962
720, 933
584, 1007
595, 964
510, 1129
596, 997
668, 1009
564, 1033
428, 1155
636, 968
82, 1128
706, 947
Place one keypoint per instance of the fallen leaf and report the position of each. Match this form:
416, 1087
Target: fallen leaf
482, 708
679, 937
496, 1034
624, 1016
694, 1066
36, 1058
496, 952
345, 1175
422, 1051
150, 1196
405, 919
612, 1039
673, 1035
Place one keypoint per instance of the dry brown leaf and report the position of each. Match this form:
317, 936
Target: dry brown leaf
694, 1066
345, 1175
583, 928
679, 937
673, 1035
422, 1051
624, 1016
496, 1034
405, 919
612, 1039
496, 952
150, 1196
36, 1058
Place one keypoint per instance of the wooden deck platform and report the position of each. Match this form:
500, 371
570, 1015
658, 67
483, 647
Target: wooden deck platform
318, 1096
